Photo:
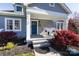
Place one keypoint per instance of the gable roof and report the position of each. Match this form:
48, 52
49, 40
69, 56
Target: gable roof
65, 7
11, 12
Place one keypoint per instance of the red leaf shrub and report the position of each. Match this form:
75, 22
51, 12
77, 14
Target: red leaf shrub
66, 37
73, 26
7, 36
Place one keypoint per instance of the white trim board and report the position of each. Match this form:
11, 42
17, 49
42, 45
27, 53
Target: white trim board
11, 14
28, 27
65, 7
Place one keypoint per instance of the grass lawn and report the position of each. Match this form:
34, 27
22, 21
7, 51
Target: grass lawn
26, 54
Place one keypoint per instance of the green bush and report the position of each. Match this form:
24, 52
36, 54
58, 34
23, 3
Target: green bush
9, 45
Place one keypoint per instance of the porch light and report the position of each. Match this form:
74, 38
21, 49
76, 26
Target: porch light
39, 23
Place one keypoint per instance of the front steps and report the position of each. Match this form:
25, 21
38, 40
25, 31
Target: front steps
40, 42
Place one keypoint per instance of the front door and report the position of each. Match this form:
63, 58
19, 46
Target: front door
34, 27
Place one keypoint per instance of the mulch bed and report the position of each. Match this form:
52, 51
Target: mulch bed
16, 50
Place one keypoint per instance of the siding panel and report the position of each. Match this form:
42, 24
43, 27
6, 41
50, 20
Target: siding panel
46, 6
23, 25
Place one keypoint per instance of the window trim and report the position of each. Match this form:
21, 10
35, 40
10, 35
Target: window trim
15, 10
13, 20
52, 5
60, 23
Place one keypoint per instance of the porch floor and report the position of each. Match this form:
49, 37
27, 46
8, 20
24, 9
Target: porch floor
40, 37
37, 36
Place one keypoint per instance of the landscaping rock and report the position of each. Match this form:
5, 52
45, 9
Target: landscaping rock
42, 50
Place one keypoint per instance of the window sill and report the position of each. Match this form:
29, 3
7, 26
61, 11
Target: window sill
13, 30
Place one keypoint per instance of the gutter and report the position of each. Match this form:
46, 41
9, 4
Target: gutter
11, 14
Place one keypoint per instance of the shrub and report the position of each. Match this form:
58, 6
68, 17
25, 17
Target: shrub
65, 38
10, 45
72, 25
21, 41
10, 36
7, 36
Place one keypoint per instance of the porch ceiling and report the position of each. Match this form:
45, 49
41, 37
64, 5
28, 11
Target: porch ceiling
46, 15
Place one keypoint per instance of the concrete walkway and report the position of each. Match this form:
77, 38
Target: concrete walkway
51, 53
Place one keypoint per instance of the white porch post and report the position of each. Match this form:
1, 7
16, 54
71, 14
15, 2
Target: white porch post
66, 24
28, 27
67, 21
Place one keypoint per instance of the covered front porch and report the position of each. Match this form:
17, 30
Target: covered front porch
40, 25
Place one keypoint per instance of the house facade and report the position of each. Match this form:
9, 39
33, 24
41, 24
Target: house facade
42, 18
14, 20
35, 20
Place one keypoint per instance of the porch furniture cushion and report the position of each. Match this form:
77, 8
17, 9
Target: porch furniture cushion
44, 33
48, 32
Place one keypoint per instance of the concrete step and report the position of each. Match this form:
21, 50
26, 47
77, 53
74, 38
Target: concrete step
40, 41
41, 44
35, 39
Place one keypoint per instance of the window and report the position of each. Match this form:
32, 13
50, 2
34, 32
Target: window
9, 24
17, 24
18, 8
52, 4
59, 25
12, 24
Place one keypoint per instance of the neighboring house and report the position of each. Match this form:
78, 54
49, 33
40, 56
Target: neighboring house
42, 17
14, 20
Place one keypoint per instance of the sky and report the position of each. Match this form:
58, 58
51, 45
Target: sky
8, 6
73, 6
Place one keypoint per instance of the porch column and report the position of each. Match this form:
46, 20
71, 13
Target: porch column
28, 27
66, 24
67, 21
